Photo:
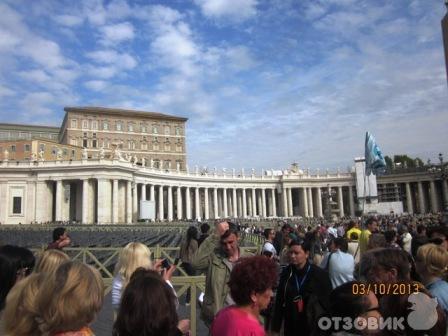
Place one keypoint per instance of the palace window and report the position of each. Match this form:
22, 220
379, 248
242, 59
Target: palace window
94, 125
27, 148
143, 128
74, 123
85, 124
84, 143
167, 147
155, 145
144, 146
155, 130
177, 130
130, 127
13, 148
17, 205
94, 143
105, 125
119, 126
167, 130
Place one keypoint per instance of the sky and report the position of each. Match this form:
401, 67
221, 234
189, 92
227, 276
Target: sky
264, 83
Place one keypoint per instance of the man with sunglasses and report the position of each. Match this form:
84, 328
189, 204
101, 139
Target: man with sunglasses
216, 257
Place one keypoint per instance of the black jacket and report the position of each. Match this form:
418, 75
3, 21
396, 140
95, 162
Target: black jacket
315, 292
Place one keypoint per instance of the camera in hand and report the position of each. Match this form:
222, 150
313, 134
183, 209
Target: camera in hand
166, 264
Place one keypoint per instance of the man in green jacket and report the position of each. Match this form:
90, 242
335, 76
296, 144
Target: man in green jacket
216, 256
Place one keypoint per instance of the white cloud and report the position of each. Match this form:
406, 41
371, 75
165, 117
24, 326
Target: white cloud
104, 72
117, 33
235, 10
96, 85
8, 40
240, 58
69, 20
109, 56
37, 104
6, 92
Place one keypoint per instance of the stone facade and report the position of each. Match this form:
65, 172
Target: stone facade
108, 191
38, 149
157, 138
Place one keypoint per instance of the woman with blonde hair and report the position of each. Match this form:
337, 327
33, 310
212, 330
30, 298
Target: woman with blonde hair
134, 255
432, 264
49, 260
20, 312
69, 300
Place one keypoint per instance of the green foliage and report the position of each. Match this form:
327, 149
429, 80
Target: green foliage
404, 161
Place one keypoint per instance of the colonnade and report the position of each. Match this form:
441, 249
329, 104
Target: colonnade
203, 202
420, 196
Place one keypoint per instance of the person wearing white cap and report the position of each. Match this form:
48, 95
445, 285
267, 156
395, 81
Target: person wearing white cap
268, 248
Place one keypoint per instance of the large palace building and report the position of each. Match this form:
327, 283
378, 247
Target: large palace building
108, 165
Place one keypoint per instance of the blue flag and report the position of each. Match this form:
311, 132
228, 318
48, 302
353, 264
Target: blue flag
375, 162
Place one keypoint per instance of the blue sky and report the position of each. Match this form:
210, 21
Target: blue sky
264, 83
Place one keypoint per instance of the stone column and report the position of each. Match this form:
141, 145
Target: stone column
152, 198
340, 202
179, 202
421, 199
244, 203
128, 202
285, 202
263, 203
161, 205
254, 203
234, 203
305, 202
225, 200
188, 202
409, 205
215, 203
104, 201
114, 201
85, 201
351, 202
319, 202
143, 195
445, 193
433, 193
135, 204
170, 203
206, 206
290, 207
197, 203
310, 202
59, 195
274, 208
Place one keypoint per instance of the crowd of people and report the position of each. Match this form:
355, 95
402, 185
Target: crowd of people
344, 278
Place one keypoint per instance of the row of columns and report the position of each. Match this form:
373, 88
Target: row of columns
203, 203
435, 202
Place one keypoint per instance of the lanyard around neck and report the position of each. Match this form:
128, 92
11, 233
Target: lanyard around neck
303, 279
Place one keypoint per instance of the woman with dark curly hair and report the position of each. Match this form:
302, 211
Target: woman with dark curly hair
251, 283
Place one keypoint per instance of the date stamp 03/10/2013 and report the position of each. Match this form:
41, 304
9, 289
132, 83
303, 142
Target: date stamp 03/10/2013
385, 288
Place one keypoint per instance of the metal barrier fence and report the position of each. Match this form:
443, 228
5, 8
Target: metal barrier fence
105, 258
